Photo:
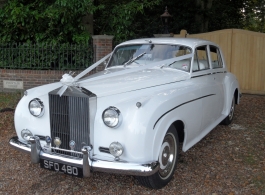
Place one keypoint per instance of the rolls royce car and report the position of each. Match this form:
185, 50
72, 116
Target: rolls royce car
129, 118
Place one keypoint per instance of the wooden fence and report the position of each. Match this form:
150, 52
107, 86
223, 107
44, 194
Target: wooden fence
244, 53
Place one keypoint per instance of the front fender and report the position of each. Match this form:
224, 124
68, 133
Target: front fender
143, 129
24, 120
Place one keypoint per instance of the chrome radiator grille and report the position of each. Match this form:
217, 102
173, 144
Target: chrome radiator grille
69, 120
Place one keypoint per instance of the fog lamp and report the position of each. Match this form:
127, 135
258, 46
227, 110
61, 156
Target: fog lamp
57, 142
116, 149
26, 134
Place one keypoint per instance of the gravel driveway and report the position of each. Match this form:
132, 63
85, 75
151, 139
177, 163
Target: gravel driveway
229, 160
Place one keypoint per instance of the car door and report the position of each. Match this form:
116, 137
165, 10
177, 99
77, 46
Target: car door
218, 72
202, 74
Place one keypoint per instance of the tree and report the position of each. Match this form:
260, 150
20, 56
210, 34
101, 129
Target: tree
226, 14
119, 18
131, 19
56, 21
61, 20
202, 15
254, 13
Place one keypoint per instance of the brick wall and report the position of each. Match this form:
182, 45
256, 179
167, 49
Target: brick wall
30, 78
33, 78
103, 46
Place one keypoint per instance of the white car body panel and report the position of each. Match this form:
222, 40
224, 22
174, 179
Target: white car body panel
201, 100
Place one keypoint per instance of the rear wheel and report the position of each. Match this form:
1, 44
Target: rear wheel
230, 116
167, 158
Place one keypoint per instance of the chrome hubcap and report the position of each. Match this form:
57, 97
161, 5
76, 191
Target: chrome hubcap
167, 156
232, 110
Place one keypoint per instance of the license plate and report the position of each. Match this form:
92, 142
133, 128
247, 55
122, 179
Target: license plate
61, 168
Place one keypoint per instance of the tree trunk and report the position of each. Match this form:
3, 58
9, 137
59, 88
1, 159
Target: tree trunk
201, 16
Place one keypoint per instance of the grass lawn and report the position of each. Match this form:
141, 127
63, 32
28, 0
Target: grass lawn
9, 100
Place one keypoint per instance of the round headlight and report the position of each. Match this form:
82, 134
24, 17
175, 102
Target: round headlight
111, 117
36, 107
116, 149
26, 134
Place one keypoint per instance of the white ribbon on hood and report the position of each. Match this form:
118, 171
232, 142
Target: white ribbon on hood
69, 81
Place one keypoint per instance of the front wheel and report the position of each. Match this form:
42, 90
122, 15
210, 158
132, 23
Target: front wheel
167, 158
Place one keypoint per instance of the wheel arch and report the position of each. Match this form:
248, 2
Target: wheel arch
236, 95
179, 126
232, 90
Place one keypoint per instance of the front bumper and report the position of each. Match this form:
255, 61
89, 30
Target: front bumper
87, 164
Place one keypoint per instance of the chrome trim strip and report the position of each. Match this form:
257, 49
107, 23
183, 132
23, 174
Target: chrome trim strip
118, 167
126, 168
202, 75
64, 150
208, 74
92, 115
219, 72
23, 147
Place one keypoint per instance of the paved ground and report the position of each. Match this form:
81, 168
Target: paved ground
229, 160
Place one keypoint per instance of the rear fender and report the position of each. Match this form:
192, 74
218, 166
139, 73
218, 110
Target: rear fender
232, 86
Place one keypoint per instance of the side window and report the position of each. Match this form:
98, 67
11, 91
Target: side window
200, 59
216, 57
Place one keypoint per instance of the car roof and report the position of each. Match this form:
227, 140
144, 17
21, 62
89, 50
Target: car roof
190, 42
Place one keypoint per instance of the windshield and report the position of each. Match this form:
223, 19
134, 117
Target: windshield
143, 54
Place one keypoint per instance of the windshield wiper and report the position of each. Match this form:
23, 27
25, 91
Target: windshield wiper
168, 65
133, 59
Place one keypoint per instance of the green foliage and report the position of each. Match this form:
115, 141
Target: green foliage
254, 12
45, 56
133, 19
60, 21
53, 21
119, 18
9, 100
226, 14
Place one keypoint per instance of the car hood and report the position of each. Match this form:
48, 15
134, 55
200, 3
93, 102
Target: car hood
109, 85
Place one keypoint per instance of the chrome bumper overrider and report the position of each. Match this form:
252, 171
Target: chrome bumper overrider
87, 164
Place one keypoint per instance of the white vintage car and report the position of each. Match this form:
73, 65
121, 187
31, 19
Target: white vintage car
130, 117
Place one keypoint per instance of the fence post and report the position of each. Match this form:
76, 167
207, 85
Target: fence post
183, 33
102, 46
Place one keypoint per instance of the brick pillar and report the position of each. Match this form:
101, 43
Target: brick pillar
103, 45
